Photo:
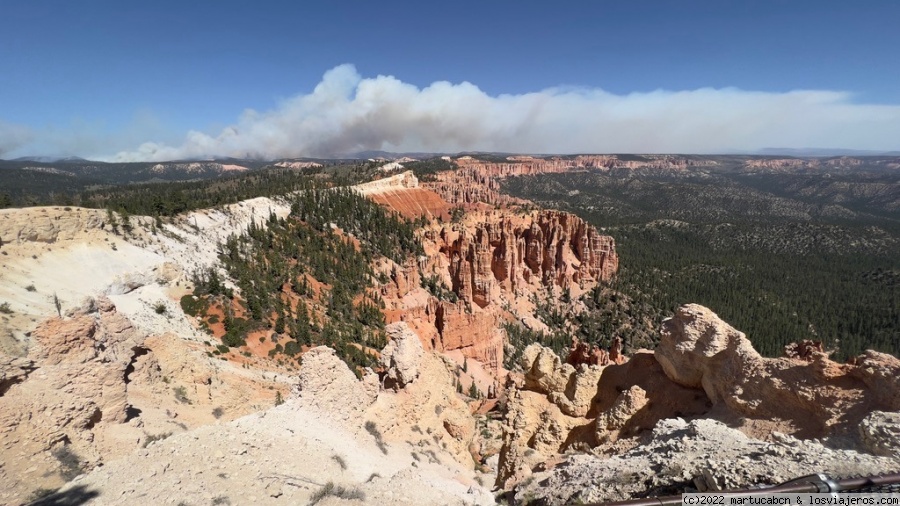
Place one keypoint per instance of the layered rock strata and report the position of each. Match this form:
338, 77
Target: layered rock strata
491, 263
509, 252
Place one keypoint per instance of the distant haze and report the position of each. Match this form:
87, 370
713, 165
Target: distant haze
347, 113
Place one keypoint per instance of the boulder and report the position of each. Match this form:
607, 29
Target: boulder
697, 349
879, 433
402, 357
627, 405
327, 384
14, 370
808, 396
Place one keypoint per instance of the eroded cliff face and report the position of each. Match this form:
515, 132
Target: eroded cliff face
48, 224
505, 253
70, 387
478, 181
403, 447
527, 165
485, 269
558, 406
94, 387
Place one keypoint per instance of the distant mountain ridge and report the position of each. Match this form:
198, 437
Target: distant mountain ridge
823, 152
49, 159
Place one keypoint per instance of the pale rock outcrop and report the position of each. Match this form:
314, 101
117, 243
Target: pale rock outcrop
14, 370
47, 224
558, 407
284, 455
697, 349
427, 411
533, 431
547, 414
327, 384
879, 433
572, 391
69, 389
881, 373
396, 182
627, 405
91, 353
809, 397
402, 357
703, 453
702, 366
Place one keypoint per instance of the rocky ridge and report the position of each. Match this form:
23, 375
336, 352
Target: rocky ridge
705, 368
335, 429
94, 387
403, 194
477, 181
703, 455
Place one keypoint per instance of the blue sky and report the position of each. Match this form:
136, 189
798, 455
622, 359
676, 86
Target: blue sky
96, 78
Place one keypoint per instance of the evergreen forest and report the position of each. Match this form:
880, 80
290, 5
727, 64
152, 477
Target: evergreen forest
780, 257
305, 278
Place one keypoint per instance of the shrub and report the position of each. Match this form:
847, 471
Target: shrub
218, 412
235, 331
379, 440
330, 489
181, 395
31, 288
291, 348
4, 308
160, 308
191, 305
57, 304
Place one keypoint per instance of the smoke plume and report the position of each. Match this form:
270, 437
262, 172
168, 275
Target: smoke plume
347, 113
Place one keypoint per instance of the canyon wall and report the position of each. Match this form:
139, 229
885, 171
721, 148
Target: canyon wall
487, 266
485, 269
477, 181
507, 253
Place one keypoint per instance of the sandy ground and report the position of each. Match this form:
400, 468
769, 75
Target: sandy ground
281, 456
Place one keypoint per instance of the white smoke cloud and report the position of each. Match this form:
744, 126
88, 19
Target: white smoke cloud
13, 136
347, 113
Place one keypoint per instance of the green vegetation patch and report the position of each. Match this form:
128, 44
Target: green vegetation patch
781, 257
